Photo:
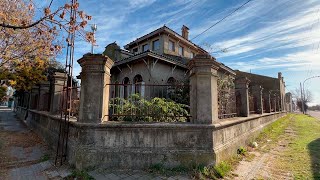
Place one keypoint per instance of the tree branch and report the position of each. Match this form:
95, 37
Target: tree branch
30, 25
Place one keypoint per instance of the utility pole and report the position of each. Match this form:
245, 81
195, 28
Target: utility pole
302, 99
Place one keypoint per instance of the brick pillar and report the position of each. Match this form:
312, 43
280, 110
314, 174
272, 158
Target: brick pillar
57, 91
43, 96
267, 98
242, 85
257, 93
203, 92
94, 96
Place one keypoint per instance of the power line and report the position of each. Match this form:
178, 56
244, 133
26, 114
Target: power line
222, 19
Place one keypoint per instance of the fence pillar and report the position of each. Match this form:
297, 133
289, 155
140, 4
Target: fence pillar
268, 102
94, 96
257, 92
242, 85
43, 96
203, 92
34, 98
57, 92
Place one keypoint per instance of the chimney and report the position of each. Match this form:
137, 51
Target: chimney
185, 32
279, 75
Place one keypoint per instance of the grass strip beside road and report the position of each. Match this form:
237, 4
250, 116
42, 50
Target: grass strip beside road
302, 156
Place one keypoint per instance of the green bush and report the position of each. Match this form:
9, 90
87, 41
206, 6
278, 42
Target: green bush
213, 172
242, 151
157, 109
222, 169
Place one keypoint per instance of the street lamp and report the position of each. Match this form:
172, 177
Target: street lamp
94, 29
303, 93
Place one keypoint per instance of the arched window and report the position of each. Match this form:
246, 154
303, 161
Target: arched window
125, 81
171, 81
138, 81
171, 88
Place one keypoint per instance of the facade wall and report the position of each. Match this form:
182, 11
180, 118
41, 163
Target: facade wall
187, 50
149, 42
157, 75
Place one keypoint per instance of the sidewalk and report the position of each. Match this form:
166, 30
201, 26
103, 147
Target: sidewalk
24, 156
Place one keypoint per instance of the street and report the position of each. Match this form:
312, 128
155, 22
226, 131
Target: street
315, 114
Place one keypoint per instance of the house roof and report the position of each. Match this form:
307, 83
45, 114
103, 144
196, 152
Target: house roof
151, 54
163, 29
176, 60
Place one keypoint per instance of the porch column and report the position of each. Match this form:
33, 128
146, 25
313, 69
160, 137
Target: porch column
57, 92
94, 96
257, 92
242, 85
203, 91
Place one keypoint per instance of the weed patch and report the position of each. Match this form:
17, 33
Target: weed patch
81, 175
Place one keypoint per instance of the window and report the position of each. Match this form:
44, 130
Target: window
171, 46
135, 50
145, 47
181, 53
191, 55
156, 45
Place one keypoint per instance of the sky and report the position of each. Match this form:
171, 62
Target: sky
264, 37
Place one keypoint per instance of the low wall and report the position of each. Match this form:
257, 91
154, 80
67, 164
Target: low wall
140, 145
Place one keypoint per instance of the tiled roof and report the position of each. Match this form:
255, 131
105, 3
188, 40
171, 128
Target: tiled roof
166, 58
177, 60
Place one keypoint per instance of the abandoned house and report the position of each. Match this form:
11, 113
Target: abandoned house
162, 99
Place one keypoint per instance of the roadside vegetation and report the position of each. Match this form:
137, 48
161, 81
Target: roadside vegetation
302, 157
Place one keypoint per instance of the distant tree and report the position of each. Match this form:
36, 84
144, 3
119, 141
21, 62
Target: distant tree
302, 101
315, 108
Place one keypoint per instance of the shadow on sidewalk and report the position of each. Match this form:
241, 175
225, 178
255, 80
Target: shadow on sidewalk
314, 151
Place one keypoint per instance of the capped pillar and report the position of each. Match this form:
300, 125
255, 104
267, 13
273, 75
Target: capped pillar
58, 81
203, 91
94, 96
242, 86
44, 96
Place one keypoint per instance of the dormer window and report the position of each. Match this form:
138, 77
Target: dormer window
156, 45
181, 51
171, 46
145, 47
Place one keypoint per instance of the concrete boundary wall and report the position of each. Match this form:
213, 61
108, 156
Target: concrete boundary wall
140, 145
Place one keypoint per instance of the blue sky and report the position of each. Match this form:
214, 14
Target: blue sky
264, 37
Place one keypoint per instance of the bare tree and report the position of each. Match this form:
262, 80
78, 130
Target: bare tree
306, 97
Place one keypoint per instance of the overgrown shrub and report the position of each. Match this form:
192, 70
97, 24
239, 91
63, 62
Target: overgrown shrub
157, 109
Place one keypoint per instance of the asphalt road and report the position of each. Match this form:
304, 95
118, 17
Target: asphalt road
315, 114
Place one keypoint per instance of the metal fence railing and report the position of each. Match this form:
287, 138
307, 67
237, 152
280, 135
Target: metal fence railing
227, 103
149, 102
71, 106
252, 103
